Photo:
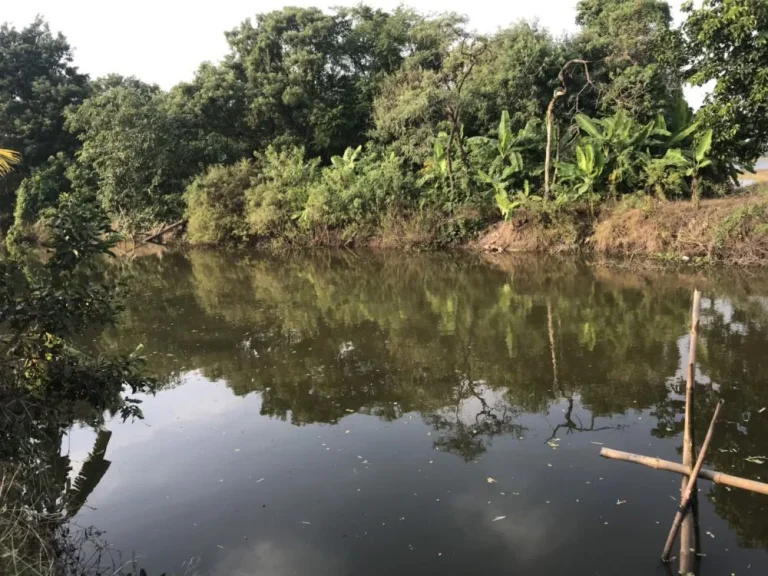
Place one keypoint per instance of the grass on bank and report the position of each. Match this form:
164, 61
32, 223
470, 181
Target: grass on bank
731, 230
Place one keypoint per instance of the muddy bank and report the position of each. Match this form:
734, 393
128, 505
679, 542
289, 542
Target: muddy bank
732, 230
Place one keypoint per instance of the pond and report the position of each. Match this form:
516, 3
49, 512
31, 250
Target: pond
352, 413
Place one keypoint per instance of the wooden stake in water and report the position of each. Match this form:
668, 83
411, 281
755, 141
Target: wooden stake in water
688, 493
686, 532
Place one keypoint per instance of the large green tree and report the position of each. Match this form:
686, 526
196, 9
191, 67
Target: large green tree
37, 83
728, 45
311, 76
634, 56
134, 155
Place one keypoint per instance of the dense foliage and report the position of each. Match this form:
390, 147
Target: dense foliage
333, 126
47, 380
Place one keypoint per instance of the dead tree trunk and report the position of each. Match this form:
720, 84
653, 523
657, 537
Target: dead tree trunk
559, 93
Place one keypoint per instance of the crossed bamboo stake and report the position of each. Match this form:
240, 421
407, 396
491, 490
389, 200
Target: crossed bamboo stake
689, 470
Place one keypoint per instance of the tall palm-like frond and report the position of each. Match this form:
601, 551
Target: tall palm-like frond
8, 159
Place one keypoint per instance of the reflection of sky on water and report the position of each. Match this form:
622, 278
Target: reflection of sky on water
242, 494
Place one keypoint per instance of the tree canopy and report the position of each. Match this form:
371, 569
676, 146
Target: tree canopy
429, 120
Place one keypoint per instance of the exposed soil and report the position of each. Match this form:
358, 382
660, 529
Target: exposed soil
732, 230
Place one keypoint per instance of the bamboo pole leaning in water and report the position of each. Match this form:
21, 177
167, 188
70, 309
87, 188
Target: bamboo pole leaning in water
688, 492
686, 533
667, 466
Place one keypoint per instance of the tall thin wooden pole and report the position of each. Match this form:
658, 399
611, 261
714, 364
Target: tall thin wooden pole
686, 529
690, 487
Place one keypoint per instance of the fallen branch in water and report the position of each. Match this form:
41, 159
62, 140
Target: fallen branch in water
159, 234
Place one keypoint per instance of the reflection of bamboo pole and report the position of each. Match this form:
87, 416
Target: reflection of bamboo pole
551, 330
686, 497
666, 465
686, 531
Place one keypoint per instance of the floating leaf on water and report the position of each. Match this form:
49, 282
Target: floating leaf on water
710, 534
762, 410
756, 459
498, 518
491, 480
307, 523
598, 443
259, 480
620, 502
220, 546
346, 431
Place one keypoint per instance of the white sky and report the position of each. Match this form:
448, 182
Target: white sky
164, 41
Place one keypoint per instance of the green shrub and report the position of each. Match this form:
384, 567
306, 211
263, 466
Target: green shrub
216, 205
280, 192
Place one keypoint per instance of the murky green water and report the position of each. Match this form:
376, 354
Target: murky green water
341, 414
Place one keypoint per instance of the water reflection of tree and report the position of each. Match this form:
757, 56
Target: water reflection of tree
570, 425
468, 432
322, 336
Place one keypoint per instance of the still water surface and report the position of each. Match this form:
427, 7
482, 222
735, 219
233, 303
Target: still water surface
345, 414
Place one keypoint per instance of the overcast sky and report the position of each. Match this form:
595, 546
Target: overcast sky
164, 41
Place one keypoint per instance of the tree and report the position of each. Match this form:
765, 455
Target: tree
311, 76
519, 73
37, 83
425, 96
134, 156
635, 56
213, 111
727, 45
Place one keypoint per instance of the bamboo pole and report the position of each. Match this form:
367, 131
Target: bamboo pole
686, 532
667, 466
686, 498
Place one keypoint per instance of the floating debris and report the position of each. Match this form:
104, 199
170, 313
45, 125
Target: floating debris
620, 502
259, 480
597, 443
756, 459
307, 523
491, 480
710, 534
346, 431
498, 518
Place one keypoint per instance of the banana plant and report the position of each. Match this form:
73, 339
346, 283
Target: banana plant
8, 159
585, 173
347, 162
691, 162
624, 145
506, 204
505, 150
